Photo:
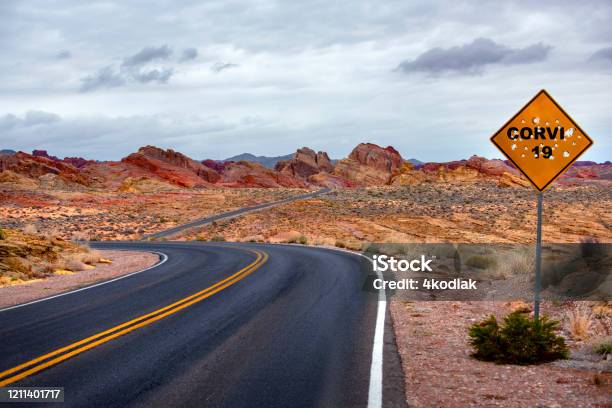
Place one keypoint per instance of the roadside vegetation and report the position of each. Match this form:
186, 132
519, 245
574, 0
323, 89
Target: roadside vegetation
519, 340
28, 254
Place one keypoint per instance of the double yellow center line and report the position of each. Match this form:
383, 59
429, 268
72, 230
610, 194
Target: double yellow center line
57, 356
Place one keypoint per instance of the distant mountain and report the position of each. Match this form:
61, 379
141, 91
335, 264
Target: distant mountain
8, 152
415, 162
266, 161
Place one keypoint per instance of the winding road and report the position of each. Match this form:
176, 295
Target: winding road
232, 214
212, 325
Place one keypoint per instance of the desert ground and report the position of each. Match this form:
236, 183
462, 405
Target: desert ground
95, 215
376, 197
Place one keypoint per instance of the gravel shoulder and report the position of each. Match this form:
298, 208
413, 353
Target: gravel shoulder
123, 262
439, 372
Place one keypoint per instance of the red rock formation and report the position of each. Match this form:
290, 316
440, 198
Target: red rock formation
324, 179
78, 162
305, 163
249, 174
180, 160
43, 153
163, 170
369, 165
37, 166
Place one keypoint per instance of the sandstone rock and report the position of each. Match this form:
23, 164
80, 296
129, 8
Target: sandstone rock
248, 174
305, 163
369, 165
36, 166
510, 180
173, 167
180, 160
78, 162
324, 179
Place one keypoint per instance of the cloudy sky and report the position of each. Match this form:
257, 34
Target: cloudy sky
217, 78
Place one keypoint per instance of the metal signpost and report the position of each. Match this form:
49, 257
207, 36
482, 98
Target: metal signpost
542, 141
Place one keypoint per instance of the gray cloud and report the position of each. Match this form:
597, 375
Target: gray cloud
220, 66
146, 55
106, 77
471, 58
154, 75
602, 55
132, 70
189, 54
110, 138
64, 54
309, 70
29, 119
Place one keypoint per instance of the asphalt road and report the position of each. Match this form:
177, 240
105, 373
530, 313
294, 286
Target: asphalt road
215, 325
231, 214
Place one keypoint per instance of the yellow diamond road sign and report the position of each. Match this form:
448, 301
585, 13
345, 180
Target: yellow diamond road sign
541, 140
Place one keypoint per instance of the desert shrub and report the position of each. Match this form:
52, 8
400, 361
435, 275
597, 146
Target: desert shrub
18, 265
201, 238
2, 234
218, 238
71, 262
519, 262
580, 322
91, 257
340, 244
481, 262
298, 240
604, 348
30, 229
519, 340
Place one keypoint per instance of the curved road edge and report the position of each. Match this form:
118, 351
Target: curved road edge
162, 259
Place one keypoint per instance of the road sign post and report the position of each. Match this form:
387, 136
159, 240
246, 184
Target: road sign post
542, 141
538, 260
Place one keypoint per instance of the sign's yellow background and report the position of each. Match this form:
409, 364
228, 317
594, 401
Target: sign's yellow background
544, 112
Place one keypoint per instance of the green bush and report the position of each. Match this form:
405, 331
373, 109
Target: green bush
519, 340
218, 238
604, 348
2, 234
302, 240
481, 262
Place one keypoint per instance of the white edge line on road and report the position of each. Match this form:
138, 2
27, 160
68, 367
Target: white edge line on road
163, 258
375, 391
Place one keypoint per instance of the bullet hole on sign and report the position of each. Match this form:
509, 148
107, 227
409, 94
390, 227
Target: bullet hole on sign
513, 146
566, 154
522, 120
557, 121
569, 132
536, 120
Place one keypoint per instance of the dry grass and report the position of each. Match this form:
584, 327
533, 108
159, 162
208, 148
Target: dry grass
520, 261
74, 263
30, 229
580, 323
91, 257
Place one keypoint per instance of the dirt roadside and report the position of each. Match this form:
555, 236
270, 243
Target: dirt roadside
123, 262
439, 372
